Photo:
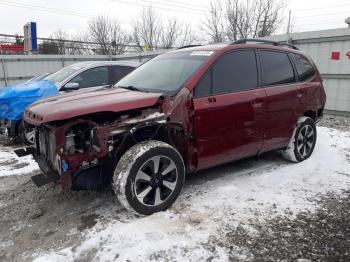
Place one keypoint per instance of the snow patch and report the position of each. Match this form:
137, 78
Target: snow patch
10, 164
229, 195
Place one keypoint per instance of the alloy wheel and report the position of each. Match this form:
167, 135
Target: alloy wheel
155, 181
30, 135
305, 140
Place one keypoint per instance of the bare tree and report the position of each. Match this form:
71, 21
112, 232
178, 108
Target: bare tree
249, 18
271, 17
236, 19
213, 25
108, 34
61, 36
146, 30
152, 30
187, 36
169, 34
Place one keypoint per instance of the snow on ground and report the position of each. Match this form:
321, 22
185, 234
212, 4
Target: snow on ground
10, 164
229, 196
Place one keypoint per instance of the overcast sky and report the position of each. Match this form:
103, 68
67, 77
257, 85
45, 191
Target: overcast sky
308, 14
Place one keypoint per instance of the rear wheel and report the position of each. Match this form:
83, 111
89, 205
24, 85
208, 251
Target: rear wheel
149, 177
303, 142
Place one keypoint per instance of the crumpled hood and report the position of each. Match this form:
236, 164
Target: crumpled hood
15, 98
110, 100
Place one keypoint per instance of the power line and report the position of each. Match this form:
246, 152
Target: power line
183, 5
319, 8
161, 8
188, 4
324, 14
46, 9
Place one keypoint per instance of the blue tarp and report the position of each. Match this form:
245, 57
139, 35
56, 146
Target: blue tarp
15, 99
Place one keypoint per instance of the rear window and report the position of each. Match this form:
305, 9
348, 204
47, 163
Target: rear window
304, 67
277, 68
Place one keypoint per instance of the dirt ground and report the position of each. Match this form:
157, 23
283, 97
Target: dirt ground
35, 220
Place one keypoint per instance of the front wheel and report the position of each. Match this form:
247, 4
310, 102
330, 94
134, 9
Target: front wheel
26, 134
149, 177
303, 141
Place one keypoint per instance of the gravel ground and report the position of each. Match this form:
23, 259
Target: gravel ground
323, 235
337, 122
35, 220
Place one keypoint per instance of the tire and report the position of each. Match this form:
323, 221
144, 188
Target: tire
141, 188
25, 135
303, 141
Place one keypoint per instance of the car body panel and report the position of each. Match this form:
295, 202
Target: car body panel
110, 100
228, 126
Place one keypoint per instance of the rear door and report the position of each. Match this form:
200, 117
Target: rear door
228, 110
280, 84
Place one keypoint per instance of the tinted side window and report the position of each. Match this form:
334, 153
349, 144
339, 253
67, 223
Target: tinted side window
277, 68
118, 72
203, 86
97, 76
236, 71
304, 67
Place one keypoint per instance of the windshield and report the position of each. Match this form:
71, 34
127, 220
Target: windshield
62, 74
166, 73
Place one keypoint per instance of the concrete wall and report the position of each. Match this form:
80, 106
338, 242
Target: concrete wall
19, 68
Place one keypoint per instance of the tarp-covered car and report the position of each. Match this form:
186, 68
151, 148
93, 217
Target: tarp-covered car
84, 76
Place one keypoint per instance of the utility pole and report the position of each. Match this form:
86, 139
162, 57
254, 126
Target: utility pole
289, 38
3, 66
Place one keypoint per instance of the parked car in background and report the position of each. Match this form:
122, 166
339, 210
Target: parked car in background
82, 77
38, 77
181, 112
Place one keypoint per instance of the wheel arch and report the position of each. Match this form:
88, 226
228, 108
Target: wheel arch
172, 133
310, 113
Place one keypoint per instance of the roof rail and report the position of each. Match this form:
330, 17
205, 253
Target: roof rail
187, 46
275, 43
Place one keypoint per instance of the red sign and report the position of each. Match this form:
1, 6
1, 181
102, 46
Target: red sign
335, 56
12, 48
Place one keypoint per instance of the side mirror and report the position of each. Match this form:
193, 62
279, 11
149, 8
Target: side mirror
71, 86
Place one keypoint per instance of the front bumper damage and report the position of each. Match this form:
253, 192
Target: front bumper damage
41, 179
61, 162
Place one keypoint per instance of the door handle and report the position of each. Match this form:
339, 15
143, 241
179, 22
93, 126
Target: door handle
300, 93
211, 99
257, 101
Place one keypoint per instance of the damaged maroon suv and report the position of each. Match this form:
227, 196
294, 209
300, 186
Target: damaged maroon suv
183, 111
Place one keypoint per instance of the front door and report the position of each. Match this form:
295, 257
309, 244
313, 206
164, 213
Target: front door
228, 107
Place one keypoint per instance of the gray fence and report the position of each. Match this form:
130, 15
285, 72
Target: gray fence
19, 68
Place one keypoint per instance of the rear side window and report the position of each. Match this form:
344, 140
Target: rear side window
304, 67
277, 68
236, 71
